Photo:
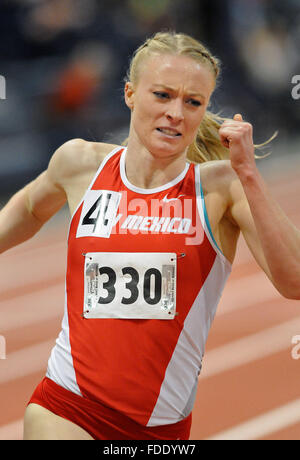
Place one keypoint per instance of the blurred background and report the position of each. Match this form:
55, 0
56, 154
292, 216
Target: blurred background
64, 64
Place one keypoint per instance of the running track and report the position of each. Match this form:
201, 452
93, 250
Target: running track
250, 384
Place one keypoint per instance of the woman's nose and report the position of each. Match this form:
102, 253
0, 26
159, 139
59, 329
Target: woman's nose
175, 111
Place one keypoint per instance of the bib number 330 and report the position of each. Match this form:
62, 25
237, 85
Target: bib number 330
130, 285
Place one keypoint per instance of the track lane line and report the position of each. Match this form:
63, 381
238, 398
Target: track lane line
234, 298
32, 308
19, 272
26, 361
249, 348
262, 425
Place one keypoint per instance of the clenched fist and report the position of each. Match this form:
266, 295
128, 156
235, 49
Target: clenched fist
236, 135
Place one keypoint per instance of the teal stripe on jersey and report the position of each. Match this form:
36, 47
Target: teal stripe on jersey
206, 218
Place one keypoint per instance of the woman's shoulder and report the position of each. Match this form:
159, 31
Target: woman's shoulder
79, 156
217, 175
83, 149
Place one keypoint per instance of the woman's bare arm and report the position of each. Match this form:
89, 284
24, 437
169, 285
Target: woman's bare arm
28, 209
69, 173
270, 235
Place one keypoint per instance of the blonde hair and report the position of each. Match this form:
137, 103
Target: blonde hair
207, 145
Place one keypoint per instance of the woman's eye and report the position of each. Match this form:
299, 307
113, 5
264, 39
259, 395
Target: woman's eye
164, 95
194, 102
161, 94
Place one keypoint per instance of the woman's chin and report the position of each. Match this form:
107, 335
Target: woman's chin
165, 149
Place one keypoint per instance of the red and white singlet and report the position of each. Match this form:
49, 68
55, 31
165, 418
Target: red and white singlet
144, 277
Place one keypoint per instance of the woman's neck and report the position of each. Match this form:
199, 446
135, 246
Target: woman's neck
146, 170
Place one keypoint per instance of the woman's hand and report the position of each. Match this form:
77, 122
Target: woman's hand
236, 135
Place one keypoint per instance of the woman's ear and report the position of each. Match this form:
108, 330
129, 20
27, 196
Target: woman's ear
129, 95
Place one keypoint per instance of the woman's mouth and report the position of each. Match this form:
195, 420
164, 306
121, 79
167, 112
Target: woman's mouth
170, 132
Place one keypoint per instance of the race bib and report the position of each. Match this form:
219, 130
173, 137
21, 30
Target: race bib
130, 285
98, 213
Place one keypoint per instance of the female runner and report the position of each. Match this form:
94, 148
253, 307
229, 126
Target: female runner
151, 242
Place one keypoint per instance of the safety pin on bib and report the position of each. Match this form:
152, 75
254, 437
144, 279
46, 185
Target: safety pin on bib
179, 256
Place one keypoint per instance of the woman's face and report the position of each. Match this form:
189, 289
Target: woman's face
168, 103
